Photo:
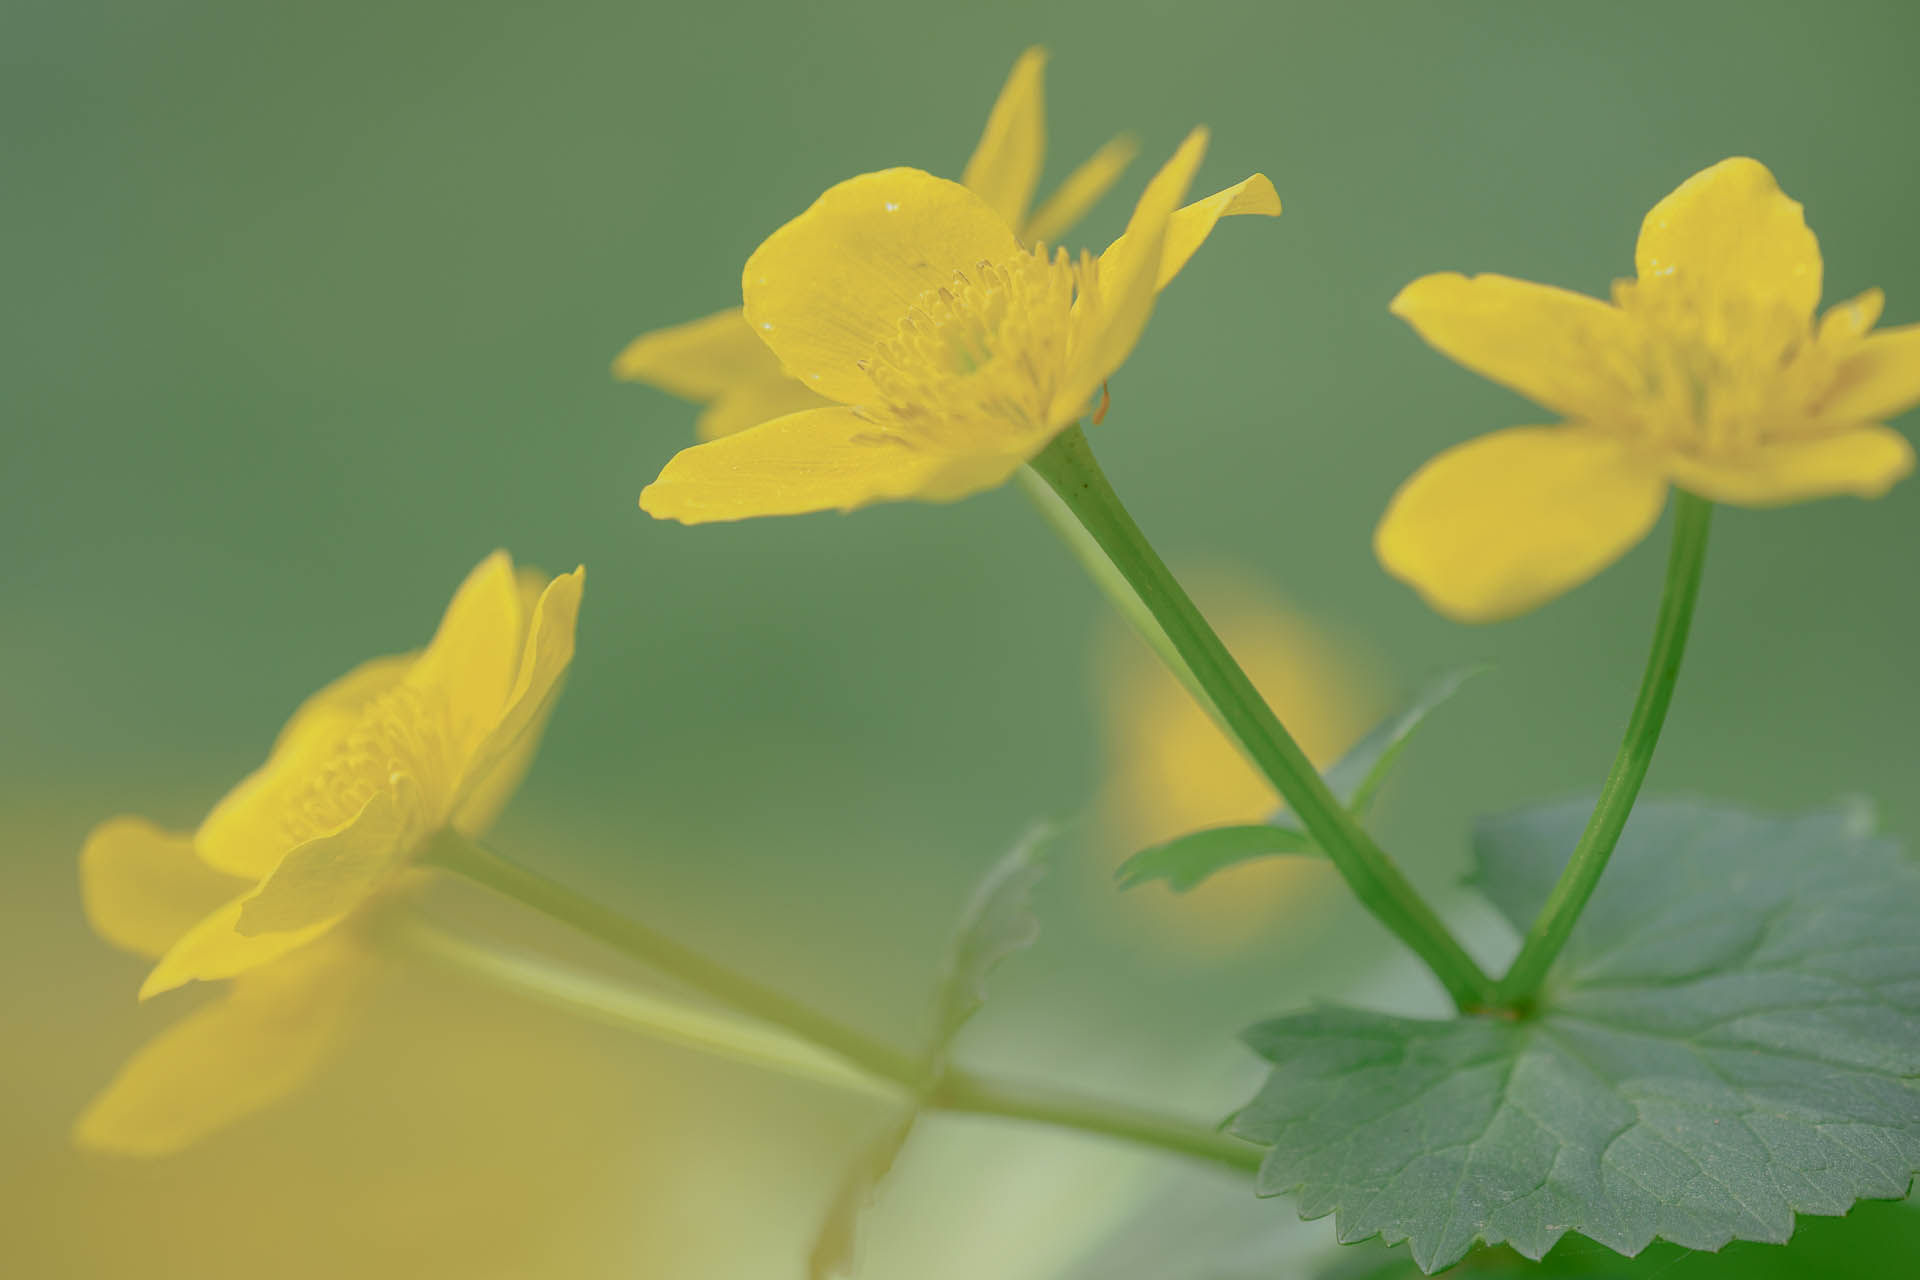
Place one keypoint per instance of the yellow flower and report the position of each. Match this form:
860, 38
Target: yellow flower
1708, 372
271, 888
719, 363
952, 352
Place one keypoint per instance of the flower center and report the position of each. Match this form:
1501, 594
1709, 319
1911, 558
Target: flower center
398, 732
1714, 372
978, 358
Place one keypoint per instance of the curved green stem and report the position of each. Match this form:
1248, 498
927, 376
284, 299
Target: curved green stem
456, 853
1069, 467
1691, 518
616, 1004
818, 1048
981, 1095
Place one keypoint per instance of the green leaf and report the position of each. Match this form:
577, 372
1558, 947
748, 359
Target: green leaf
1874, 1242
1354, 779
1731, 1037
998, 921
1185, 861
1356, 776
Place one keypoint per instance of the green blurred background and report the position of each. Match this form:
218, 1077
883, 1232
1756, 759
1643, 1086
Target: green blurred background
308, 306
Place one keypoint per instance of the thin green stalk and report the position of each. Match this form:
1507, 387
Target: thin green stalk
453, 852
809, 1045
1069, 467
1691, 519
724, 1035
980, 1095
1118, 591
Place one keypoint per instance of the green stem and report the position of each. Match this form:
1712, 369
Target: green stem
825, 1050
456, 853
1111, 583
979, 1095
1069, 467
1692, 516
615, 1004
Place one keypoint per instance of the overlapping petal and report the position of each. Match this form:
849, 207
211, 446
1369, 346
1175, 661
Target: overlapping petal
828, 286
1005, 166
822, 460
1190, 225
699, 360
215, 948
1731, 229
1863, 462
1080, 191
247, 832
1498, 525
1880, 380
143, 888
752, 403
469, 666
1116, 313
327, 877
268, 1034
1551, 345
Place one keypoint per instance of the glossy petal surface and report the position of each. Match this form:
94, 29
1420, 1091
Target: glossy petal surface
1550, 345
1495, 526
1005, 167
1731, 229
823, 290
821, 460
144, 888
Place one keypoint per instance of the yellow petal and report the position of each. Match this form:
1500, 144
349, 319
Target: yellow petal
503, 759
1005, 167
1110, 321
824, 289
469, 667
1548, 344
752, 403
215, 948
258, 1043
1846, 321
248, 832
1080, 192
1862, 461
1190, 226
1498, 525
1880, 380
1729, 228
329, 876
143, 888
700, 360
820, 460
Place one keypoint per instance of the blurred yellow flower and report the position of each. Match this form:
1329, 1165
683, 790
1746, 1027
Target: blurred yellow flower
1172, 770
1707, 372
718, 362
362, 777
953, 354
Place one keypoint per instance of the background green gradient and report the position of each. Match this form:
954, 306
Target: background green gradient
310, 306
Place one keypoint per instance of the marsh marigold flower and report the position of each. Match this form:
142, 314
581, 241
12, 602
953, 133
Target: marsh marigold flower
718, 362
952, 352
1708, 371
271, 889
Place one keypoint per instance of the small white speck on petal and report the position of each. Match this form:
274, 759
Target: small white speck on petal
893, 206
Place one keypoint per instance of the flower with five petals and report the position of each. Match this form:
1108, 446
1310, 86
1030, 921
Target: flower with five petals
274, 888
719, 363
951, 352
1708, 371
